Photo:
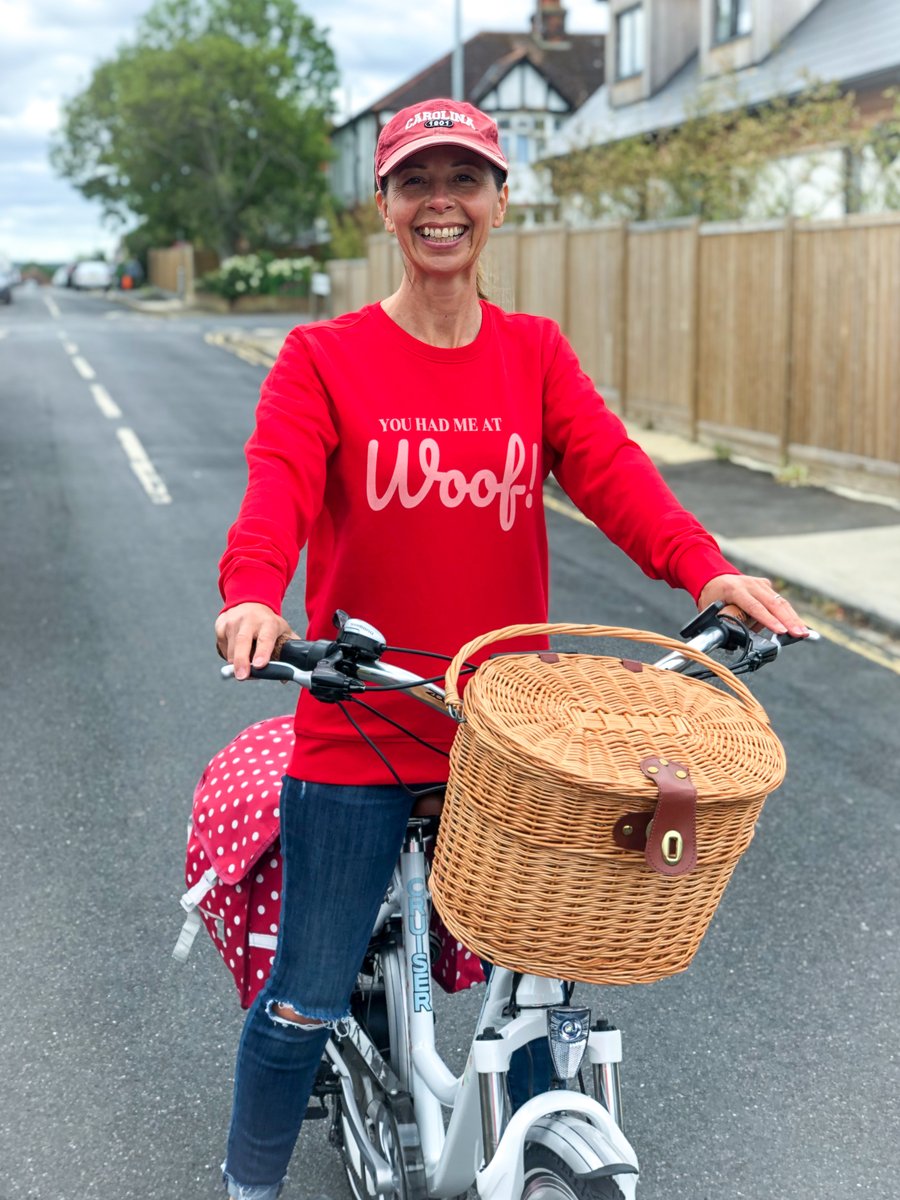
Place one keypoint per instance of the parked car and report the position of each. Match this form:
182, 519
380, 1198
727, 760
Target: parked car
91, 274
9, 277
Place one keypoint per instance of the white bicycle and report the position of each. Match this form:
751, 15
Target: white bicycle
406, 1126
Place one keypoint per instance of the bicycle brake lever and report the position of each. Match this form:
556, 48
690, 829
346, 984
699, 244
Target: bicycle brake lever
766, 646
330, 685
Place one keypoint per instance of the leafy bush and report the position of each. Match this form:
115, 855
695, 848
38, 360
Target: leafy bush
259, 275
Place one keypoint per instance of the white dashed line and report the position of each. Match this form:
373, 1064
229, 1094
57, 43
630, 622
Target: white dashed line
3, 333
51, 304
148, 477
84, 369
69, 347
105, 402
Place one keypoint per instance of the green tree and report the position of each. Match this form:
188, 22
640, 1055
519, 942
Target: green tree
212, 126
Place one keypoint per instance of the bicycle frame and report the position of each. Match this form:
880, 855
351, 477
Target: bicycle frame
455, 1157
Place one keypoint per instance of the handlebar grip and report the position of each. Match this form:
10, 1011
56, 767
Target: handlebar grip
274, 670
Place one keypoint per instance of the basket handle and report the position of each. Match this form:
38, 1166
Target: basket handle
742, 692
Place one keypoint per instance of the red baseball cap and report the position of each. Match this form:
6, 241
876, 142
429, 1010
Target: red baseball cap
437, 123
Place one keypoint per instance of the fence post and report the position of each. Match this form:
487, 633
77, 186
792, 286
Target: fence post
622, 322
187, 257
568, 297
788, 286
695, 333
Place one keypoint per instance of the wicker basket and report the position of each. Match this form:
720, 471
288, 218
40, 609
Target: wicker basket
600, 806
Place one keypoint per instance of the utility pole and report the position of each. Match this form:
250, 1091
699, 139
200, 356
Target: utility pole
457, 84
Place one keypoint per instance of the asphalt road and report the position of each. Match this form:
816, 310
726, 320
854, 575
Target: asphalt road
769, 1069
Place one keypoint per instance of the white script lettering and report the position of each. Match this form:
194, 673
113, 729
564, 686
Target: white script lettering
453, 488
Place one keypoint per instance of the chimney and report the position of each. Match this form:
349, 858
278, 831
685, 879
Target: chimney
549, 21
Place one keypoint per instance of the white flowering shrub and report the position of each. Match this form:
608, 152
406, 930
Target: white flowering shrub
259, 275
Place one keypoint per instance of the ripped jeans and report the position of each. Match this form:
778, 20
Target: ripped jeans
339, 846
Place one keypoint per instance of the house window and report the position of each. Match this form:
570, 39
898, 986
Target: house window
733, 19
630, 42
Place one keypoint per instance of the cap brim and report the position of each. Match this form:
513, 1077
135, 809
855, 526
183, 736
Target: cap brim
436, 139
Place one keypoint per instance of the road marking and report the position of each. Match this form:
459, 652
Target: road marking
566, 509
51, 304
832, 632
3, 333
846, 640
255, 357
69, 347
250, 354
105, 402
148, 476
84, 369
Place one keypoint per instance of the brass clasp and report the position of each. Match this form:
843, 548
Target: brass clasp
672, 847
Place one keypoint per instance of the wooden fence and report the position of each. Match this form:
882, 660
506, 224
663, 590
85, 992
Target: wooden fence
779, 339
172, 269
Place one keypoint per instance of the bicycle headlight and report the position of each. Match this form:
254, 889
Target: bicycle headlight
567, 1033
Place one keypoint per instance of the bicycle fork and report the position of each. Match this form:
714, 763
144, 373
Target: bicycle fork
492, 1052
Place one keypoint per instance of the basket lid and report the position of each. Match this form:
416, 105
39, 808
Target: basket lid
592, 719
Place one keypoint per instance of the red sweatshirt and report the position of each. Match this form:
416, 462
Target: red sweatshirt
414, 476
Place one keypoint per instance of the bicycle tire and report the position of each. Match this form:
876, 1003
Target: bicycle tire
547, 1177
379, 1004
392, 973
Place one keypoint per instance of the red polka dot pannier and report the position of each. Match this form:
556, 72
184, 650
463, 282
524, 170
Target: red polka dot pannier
233, 866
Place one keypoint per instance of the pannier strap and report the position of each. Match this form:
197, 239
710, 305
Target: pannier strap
192, 923
672, 835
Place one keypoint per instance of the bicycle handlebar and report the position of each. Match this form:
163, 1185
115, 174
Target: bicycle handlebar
332, 671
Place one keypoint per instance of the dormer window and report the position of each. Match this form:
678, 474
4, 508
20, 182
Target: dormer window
630, 42
733, 19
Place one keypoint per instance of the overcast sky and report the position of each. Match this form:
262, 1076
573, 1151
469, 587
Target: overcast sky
49, 47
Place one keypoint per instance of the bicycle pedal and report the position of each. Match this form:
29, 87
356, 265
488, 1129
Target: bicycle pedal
317, 1112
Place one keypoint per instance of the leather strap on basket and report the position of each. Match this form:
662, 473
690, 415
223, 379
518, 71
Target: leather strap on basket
672, 835
742, 692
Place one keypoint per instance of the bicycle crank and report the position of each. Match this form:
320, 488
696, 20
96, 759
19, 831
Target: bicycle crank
374, 1125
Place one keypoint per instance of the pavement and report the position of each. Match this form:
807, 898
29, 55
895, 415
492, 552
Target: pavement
826, 545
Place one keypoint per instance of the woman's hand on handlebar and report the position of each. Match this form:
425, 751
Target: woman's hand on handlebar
249, 629
757, 601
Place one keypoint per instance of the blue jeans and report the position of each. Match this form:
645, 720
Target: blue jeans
339, 847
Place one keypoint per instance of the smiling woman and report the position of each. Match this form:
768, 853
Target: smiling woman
406, 445
455, 150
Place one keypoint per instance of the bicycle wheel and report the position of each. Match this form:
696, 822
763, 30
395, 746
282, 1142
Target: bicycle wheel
379, 1004
547, 1177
